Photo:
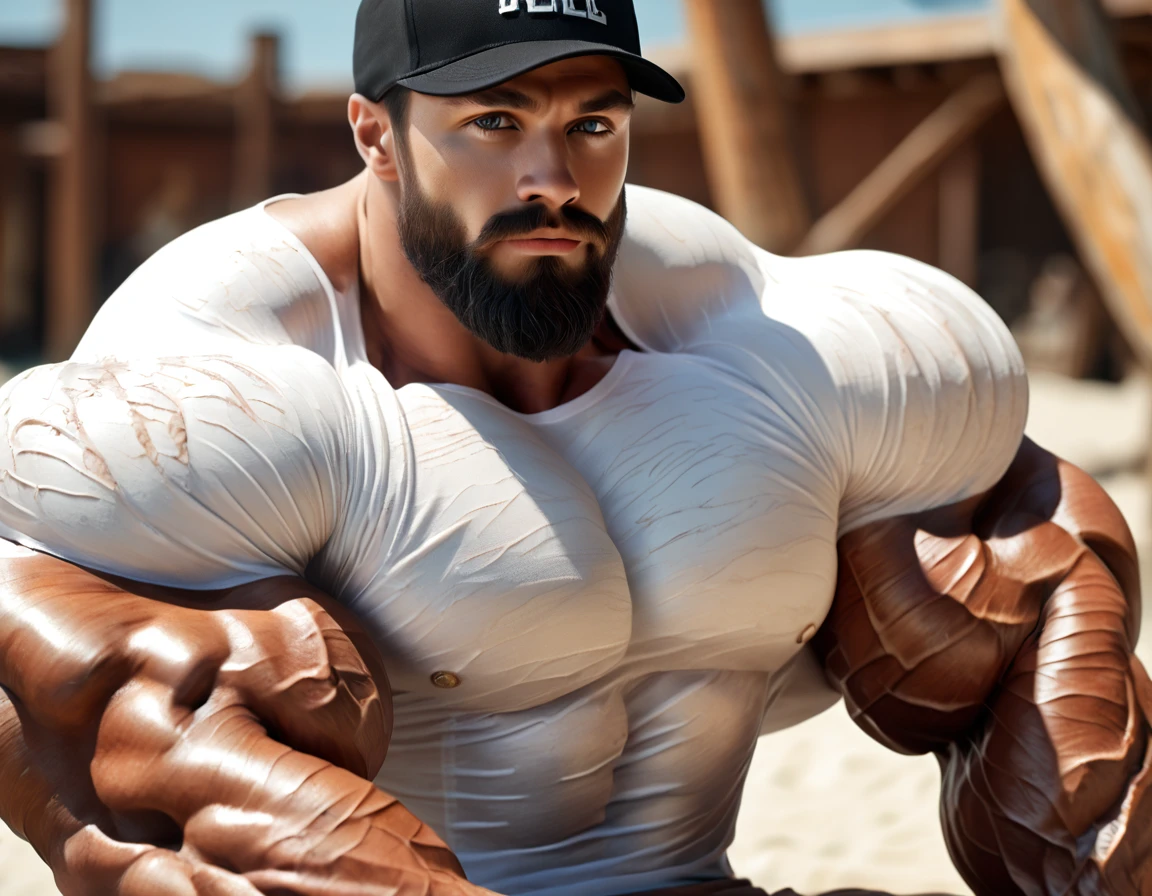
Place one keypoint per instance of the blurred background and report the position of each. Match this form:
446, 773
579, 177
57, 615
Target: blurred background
1005, 141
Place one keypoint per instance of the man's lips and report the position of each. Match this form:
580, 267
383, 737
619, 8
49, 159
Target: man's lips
543, 245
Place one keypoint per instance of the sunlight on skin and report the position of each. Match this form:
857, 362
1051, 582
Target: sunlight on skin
154, 640
530, 141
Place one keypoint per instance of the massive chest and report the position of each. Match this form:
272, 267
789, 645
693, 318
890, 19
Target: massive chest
672, 518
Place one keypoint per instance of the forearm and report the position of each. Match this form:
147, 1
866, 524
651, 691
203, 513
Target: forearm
999, 634
47, 797
140, 719
27, 802
1054, 787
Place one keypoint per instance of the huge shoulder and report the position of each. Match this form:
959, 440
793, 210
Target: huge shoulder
873, 308
673, 243
675, 232
204, 471
687, 277
905, 384
243, 278
681, 267
931, 391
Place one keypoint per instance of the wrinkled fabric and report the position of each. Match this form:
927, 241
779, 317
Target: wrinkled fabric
622, 587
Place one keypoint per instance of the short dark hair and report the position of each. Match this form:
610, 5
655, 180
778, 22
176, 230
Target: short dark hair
396, 102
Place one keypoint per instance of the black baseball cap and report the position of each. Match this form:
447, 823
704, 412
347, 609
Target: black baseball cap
453, 47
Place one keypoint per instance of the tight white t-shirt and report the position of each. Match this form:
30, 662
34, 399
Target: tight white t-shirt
624, 584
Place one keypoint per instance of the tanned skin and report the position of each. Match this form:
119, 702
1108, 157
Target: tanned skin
120, 702
221, 744
999, 634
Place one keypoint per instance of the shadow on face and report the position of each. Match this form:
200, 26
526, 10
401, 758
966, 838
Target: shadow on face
557, 136
511, 202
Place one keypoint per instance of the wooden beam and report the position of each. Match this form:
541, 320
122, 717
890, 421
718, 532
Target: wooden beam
1065, 80
11, 164
18, 254
256, 100
744, 122
959, 216
71, 252
935, 39
932, 142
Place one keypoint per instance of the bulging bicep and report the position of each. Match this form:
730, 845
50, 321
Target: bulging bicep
932, 394
198, 472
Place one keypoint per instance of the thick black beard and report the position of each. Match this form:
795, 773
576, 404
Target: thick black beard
551, 312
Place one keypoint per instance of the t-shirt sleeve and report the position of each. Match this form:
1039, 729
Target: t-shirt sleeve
932, 394
197, 472
901, 388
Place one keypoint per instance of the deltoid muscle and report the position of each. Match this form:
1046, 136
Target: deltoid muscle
999, 635
203, 745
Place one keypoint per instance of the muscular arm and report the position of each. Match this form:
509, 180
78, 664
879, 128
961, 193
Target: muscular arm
998, 633
231, 732
153, 740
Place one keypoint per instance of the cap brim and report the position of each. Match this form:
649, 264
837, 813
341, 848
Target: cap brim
498, 64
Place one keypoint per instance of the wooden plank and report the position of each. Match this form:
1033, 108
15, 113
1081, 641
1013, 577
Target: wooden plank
959, 222
23, 74
256, 100
1066, 82
744, 122
938, 39
1128, 8
71, 244
18, 262
11, 169
920, 153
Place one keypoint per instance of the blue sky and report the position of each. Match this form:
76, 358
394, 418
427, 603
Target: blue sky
210, 36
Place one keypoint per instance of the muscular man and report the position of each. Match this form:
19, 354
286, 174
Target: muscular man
537, 483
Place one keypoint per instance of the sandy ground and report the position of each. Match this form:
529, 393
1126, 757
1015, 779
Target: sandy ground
826, 807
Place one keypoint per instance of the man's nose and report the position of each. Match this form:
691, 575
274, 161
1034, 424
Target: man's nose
547, 175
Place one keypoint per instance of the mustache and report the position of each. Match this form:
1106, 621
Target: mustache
522, 221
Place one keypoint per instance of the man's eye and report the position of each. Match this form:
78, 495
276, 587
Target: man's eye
590, 127
490, 123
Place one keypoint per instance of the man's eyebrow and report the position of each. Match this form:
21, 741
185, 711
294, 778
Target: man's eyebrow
613, 99
509, 98
503, 97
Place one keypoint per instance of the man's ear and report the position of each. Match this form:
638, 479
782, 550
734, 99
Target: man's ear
375, 139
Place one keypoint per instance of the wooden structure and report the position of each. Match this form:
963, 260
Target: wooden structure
171, 151
71, 270
745, 128
1086, 130
924, 150
256, 101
